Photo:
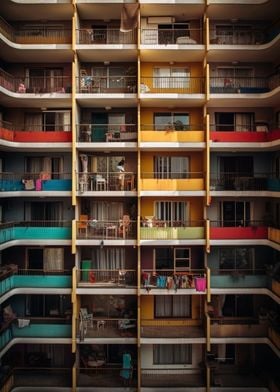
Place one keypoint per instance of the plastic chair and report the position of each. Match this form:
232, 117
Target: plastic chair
83, 224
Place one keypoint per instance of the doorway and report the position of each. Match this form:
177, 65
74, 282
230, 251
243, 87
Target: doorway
235, 213
35, 259
99, 127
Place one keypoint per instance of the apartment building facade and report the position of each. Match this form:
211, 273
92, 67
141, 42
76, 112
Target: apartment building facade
139, 195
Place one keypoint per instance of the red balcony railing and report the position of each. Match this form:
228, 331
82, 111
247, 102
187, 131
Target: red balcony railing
238, 229
51, 133
107, 277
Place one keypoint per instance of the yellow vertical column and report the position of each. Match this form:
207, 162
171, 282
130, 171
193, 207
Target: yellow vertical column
138, 208
74, 198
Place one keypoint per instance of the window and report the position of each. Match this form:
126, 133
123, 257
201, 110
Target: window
108, 258
172, 354
171, 211
235, 213
234, 34
177, 259
240, 122
171, 121
176, 78
172, 306
48, 121
168, 33
49, 165
44, 79
236, 258
171, 167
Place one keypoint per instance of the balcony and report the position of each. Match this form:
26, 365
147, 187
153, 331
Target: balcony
107, 182
36, 35
107, 278
35, 85
109, 133
106, 230
172, 329
105, 36
35, 230
35, 134
237, 327
239, 35
238, 230
107, 376
224, 133
106, 85
172, 280
173, 377
171, 230
172, 133
182, 38
243, 85
239, 278
172, 85
105, 327
235, 182
38, 182
11, 277
172, 182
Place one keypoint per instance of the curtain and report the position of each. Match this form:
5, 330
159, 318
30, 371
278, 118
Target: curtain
164, 354
171, 210
33, 122
111, 259
172, 306
243, 122
53, 259
105, 211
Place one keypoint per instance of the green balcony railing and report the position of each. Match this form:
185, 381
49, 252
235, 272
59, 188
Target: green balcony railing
175, 230
45, 230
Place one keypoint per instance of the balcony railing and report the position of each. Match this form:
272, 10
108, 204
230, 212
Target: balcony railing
250, 85
178, 85
106, 181
58, 230
181, 278
175, 126
172, 377
233, 181
237, 35
238, 229
239, 278
172, 175
46, 376
42, 181
169, 328
105, 376
105, 36
177, 36
106, 85
56, 133
51, 276
109, 132
35, 85
36, 35
107, 277
157, 229
103, 230
243, 133
106, 327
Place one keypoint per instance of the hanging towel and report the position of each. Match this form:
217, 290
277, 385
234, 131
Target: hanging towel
23, 323
129, 17
38, 184
200, 283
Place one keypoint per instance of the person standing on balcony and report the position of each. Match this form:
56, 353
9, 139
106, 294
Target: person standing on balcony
120, 166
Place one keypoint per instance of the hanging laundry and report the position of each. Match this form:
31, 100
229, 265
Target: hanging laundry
200, 283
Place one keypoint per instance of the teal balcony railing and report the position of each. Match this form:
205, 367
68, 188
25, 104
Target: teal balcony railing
12, 181
36, 329
34, 278
239, 278
44, 230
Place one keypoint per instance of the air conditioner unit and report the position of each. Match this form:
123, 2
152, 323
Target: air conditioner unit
161, 19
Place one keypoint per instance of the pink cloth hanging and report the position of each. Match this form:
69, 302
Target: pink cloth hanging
200, 283
38, 184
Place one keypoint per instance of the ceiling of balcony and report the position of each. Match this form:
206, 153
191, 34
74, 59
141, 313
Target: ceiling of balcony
269, 11
18, 11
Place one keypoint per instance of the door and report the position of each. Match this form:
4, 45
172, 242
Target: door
35, 258
232, 168
235, 213
99, 128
